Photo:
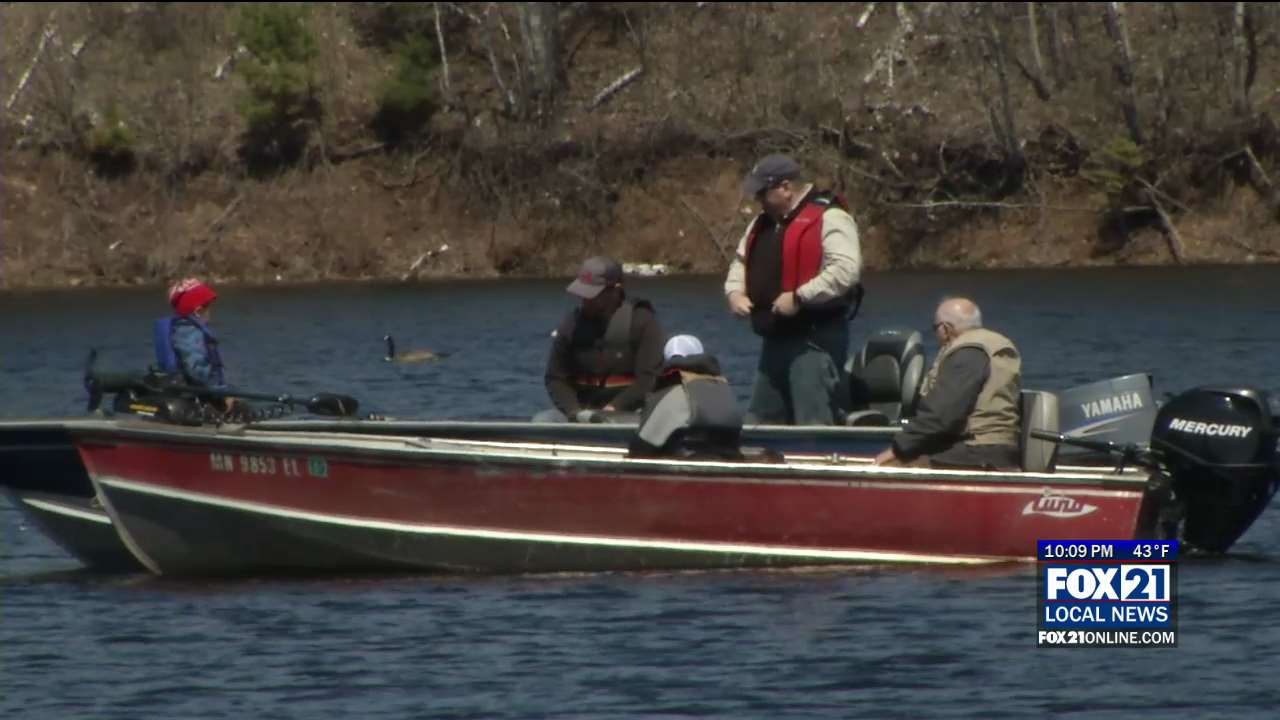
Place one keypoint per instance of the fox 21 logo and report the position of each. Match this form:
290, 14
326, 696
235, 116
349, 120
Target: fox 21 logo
1135, 583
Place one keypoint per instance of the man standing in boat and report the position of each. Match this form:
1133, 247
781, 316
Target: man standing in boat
692, 410
606, 353
796, 276
968, 414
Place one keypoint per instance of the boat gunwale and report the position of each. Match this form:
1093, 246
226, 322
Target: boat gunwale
396, 449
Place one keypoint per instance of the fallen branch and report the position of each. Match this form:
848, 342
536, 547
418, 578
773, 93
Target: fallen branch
345, 155
49, 30
224, 68
428, 255
413, 173
979, 204
616, 86
217, 225
1170, 230
876, 178
1246, 246
706, 226
1169, 198
1253, 159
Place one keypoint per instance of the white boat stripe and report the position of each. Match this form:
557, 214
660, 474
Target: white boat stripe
489, 534
69, 511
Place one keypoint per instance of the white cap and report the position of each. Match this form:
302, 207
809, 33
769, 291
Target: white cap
682, 345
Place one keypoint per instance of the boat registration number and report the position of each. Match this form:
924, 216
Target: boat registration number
255, 464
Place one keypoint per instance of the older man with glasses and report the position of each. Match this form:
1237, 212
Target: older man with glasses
968, 414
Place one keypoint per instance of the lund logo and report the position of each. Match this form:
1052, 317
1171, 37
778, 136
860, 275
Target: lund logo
1196, 427
1057, 506
1113, 404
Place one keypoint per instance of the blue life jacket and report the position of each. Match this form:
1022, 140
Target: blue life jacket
167, 356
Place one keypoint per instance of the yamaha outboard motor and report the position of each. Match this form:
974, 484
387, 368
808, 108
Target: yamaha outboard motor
885, 377
1121, 410
1218, 448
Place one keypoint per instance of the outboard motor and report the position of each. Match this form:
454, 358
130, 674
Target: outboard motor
1218, 448
175, 410
1121, 410
885, 378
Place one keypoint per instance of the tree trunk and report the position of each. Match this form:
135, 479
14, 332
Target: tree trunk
1244, 58
999, 54
1119, 32
1033, 35
445, 88
1057, 55
540, 23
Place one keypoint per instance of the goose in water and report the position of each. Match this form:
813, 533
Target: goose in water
411, 356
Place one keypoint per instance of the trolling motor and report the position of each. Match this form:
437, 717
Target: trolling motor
1214, 462
168, 398
140, 394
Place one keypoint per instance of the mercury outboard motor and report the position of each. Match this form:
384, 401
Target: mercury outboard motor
1217, 446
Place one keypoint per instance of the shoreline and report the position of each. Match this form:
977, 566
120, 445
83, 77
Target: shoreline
871, 273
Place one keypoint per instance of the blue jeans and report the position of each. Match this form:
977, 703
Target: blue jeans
800, 378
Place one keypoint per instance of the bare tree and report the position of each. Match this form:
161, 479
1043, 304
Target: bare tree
540, 24
986, 51
1033, 36
1119, 32
999, 50
1244, 58
1034, 74
444, 55
1057, 53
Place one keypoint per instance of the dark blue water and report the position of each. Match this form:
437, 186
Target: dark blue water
832, 644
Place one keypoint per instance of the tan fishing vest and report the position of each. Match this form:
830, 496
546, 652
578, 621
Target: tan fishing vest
994, 420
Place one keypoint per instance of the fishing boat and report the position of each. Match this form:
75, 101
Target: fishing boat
218, 501
43, 475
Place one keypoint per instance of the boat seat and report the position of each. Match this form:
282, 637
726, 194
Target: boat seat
1039, 411
885, 378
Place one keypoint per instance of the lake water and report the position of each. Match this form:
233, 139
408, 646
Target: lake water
798, 644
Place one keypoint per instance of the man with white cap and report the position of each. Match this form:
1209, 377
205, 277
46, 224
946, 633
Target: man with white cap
606, 353
692, 410
796, 275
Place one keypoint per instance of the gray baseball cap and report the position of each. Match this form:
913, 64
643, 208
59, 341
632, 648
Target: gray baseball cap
596, 274
771, 170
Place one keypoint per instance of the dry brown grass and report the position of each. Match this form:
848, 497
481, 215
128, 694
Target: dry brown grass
722, 85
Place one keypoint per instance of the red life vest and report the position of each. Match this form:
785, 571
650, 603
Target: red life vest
801, 243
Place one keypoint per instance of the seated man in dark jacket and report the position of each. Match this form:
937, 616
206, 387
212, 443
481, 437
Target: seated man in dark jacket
968, 414
606, 353
692, 411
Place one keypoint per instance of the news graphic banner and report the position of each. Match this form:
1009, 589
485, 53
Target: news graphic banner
1107, 593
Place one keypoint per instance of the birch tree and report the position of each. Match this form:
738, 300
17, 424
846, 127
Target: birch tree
1113, 15
540, 25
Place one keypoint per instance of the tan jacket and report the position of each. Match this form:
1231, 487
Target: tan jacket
995, 419
841, 260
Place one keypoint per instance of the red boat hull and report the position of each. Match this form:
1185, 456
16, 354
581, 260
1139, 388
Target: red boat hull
195, 502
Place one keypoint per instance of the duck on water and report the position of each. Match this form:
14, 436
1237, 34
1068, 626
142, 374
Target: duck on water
412, 356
